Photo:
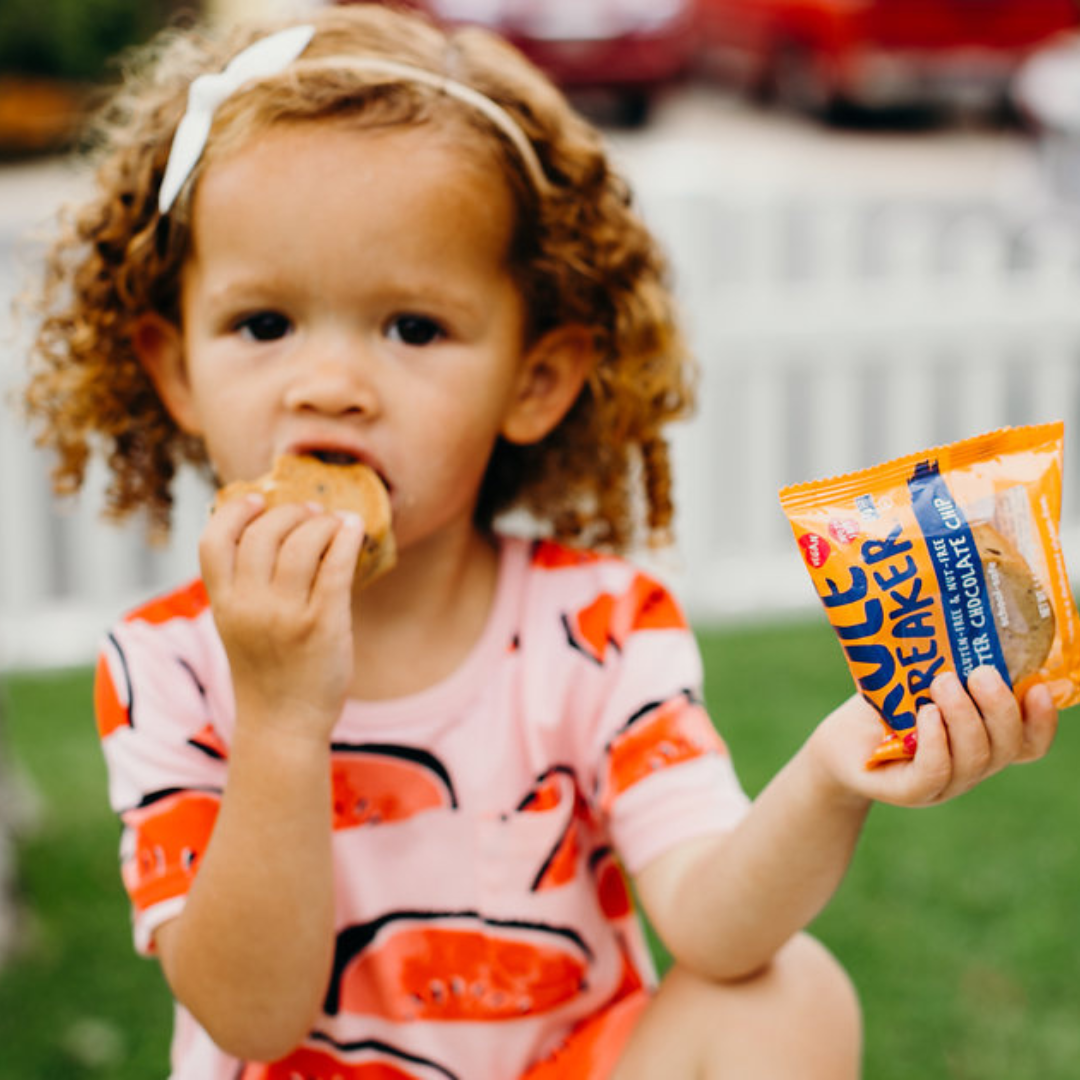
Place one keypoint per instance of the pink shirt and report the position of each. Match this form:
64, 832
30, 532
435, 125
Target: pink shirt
481, 827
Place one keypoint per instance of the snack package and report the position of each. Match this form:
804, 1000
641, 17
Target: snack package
945, 559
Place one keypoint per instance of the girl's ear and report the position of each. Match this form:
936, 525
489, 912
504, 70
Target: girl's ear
551, 377
159, 346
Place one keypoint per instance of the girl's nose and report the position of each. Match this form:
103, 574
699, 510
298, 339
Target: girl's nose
332, 384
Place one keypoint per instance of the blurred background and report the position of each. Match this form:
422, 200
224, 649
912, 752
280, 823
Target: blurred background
872, 211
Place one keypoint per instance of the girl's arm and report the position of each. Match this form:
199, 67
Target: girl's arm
723, 905
250, 954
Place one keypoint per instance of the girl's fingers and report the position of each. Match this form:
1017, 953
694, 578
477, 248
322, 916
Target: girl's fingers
301, 551
259, 549
1040, 723
320, 554
221, 537
969, 740
250, 547
339, 562
964, 736
933, 756
1001, 715
985, 728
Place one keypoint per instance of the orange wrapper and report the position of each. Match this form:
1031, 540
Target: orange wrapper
944, 560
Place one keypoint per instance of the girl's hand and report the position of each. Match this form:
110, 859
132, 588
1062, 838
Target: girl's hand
280, 586
963, 738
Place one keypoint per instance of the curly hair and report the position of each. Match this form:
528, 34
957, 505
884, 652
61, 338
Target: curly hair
581, 255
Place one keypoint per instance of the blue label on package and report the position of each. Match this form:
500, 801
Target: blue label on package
965, 601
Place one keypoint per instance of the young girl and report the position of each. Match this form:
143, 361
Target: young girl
389, 832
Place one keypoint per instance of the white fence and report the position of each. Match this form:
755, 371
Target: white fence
833, 334
838, 334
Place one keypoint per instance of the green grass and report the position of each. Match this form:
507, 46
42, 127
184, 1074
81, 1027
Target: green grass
958, 924
76, 1003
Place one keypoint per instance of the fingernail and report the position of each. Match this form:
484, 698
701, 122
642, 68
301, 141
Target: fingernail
1039, 697
349, 520
948, 681
984, 677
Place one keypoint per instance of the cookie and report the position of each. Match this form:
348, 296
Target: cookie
1022, 613
304, 478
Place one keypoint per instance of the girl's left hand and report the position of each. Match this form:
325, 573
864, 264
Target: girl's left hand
280, 586
964, 737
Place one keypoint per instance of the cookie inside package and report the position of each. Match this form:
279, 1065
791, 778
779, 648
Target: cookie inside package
945, 559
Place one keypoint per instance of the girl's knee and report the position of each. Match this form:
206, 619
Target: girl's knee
806, 1008
815, 986
800, 1016
804, 980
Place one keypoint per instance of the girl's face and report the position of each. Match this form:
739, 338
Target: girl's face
349, 294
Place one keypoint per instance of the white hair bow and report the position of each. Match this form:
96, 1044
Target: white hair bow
265, 57
273, 54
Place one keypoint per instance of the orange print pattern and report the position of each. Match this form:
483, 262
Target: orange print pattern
554, 789
664, 734
111, 710
210, 742
609, 620
615, 899
310, 1064
551, 556
376, 784
594, 1047
170, 835
187, 603
454, 966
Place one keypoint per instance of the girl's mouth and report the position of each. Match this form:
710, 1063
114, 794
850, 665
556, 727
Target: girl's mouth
333, 457
336, 455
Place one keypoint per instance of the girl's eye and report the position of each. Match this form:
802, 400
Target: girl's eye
414, 330
264, 326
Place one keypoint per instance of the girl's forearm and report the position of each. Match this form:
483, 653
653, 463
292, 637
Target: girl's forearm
725, 905
250, 954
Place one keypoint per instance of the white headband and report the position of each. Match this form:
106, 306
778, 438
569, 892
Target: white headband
271, 55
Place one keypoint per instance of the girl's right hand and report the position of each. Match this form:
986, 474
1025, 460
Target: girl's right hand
280, 587
964, 737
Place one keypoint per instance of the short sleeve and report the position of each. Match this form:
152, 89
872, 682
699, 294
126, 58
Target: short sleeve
166, 762
664, 774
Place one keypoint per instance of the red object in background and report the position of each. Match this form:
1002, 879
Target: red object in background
629, 48
818, 56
